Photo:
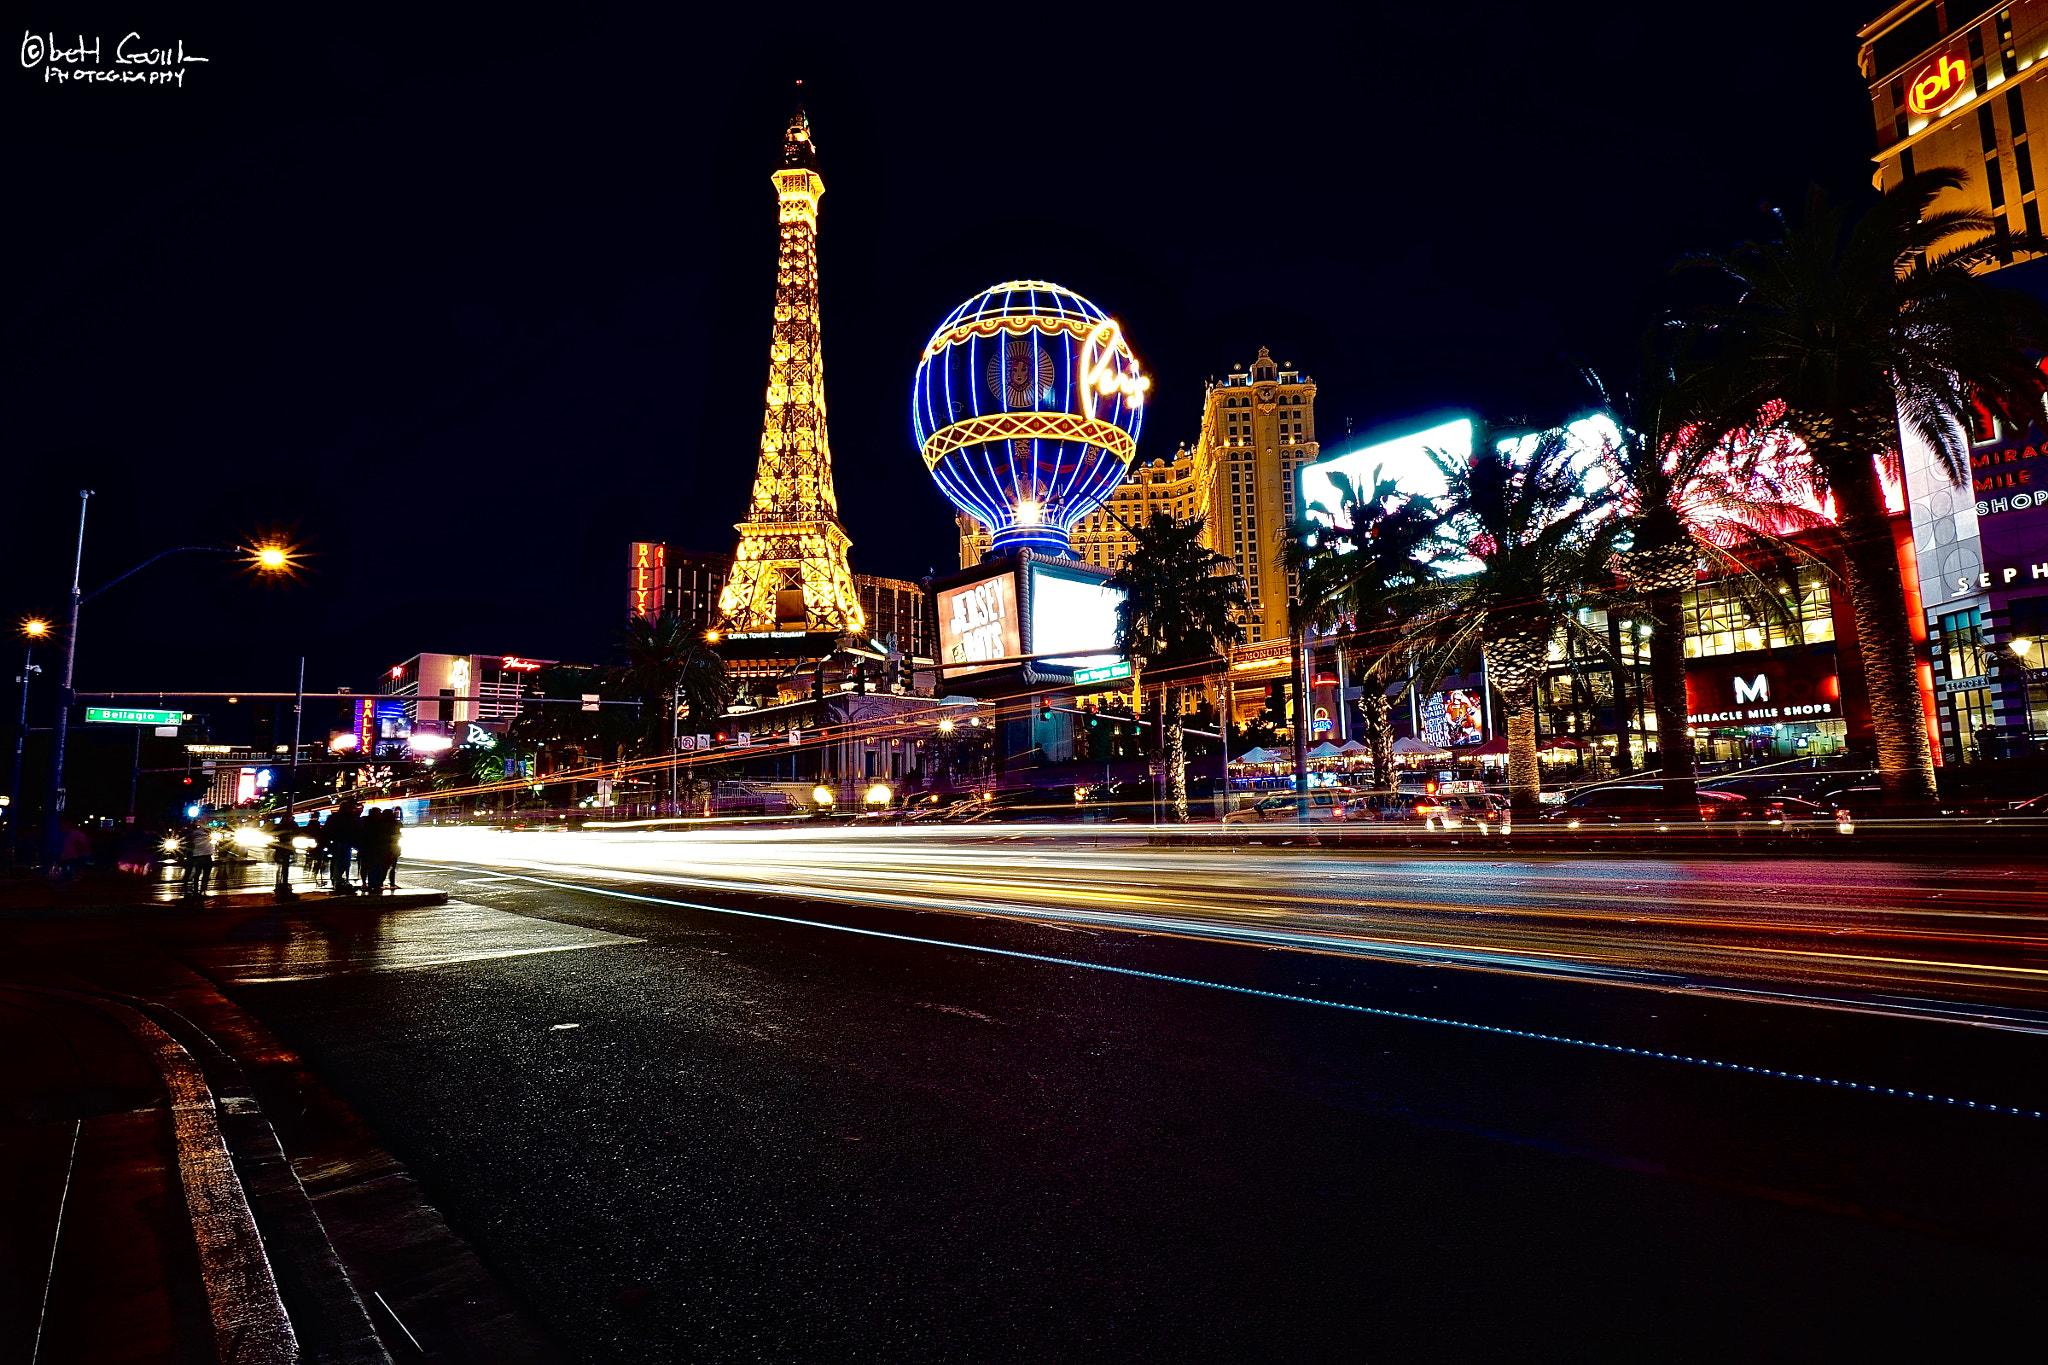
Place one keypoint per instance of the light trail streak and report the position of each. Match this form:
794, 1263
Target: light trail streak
1408, 1016
1751, 931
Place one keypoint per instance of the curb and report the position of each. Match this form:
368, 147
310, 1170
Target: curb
250, 1325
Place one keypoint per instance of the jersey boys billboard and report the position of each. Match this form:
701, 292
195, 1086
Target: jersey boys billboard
978, 623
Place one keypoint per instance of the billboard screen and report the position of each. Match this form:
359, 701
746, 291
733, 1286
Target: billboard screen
977, 622
1464, 717
1404, 459
1073, 612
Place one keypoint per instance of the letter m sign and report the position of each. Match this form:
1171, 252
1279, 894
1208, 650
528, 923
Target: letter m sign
1754, 691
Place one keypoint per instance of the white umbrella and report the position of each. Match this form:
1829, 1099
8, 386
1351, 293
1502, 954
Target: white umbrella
1411, 745
1352, 746
1326, 750
1258, 756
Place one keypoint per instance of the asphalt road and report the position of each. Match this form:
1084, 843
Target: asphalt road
837, 1127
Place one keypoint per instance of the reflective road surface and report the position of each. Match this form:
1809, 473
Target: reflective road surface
744, 1094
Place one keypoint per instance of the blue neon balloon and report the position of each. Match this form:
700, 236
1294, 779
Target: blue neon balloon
1026, 407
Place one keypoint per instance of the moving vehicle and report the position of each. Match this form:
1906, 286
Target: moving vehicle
1633, 804
1281, 808
746, 798
1393, 808
1483, 811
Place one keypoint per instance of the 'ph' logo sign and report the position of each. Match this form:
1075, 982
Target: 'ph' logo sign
1935, 84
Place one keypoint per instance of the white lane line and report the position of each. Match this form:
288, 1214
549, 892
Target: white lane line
1495, 1029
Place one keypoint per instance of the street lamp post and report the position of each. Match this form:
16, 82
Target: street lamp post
291, 799
53, 809
35, 628
271, 557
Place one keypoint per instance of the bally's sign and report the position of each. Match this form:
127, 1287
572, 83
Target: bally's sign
1767, 695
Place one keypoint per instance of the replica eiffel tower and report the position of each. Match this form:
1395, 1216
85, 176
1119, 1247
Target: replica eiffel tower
790, 572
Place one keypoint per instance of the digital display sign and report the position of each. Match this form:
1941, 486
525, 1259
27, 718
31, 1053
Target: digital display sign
1464, 717
1073, 612
978, 622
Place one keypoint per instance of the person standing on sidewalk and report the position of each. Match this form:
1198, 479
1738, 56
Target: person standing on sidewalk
284, 853
316, 856
198, 858
371, 842
343, 828
394, 834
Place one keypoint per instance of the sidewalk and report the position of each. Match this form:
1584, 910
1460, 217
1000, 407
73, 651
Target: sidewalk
145, 1118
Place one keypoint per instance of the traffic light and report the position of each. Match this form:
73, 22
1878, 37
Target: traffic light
1045, 709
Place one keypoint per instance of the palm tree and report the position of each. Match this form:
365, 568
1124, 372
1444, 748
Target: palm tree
1861, 330
674, 671
1180, 606
1536, 539
1692, 485
1365, 564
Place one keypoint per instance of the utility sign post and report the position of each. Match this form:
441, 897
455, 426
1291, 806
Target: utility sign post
122, 715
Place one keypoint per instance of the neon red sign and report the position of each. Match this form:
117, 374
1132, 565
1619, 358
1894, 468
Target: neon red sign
1936, 83
513, 661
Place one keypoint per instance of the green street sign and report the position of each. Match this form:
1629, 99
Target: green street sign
1107, 673
122, 715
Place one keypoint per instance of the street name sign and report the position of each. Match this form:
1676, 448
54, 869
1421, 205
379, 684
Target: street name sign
122, 715
1106, 673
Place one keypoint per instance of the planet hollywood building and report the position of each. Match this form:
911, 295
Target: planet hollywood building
1960, 83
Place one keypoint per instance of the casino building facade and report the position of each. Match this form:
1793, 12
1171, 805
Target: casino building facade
1962, 84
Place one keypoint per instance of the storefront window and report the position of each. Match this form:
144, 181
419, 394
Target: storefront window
1973, 716
1962, 637
1720, 618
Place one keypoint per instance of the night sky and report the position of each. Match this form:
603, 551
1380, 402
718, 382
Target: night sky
467, 303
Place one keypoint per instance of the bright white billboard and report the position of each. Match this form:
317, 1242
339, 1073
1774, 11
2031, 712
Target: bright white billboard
1071, 613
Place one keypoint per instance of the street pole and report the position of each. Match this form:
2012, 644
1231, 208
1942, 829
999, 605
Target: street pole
1226, 696
28, 667
291, 800
1300, 662
53, 817
134, 773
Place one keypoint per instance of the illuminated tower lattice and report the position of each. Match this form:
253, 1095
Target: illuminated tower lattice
790, 572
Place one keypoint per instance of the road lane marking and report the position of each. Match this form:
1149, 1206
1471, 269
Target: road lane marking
1497, 1030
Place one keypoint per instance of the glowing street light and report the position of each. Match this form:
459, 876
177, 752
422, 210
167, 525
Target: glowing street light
34, 629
